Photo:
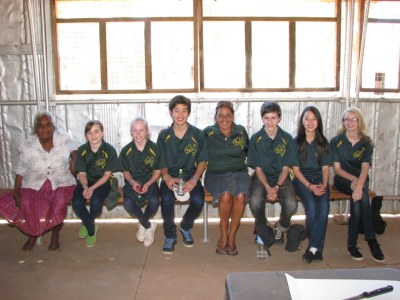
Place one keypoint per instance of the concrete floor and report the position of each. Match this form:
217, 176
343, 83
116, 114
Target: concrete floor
119, 267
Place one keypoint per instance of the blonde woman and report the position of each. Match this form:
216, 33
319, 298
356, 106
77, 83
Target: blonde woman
352, 156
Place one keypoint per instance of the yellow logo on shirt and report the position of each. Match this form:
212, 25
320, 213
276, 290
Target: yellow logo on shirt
280, 150
358, 154
191, 149
149, 160
238, 142
101, 163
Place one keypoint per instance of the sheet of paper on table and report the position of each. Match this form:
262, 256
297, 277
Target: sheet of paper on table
336, 289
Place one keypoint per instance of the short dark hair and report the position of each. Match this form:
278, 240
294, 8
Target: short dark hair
226, 104
270, 107
180, 99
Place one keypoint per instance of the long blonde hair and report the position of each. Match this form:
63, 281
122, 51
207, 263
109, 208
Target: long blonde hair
361, 124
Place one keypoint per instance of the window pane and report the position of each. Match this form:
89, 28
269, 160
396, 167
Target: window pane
270, 59
79, 54
315, 54
224, 55
123, 8
385, 10
269, 8
382, 48
172, 55
125, 56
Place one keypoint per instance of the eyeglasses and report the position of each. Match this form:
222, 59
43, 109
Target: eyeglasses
350, 120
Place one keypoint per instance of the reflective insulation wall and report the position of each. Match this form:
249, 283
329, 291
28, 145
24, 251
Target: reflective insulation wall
21, 72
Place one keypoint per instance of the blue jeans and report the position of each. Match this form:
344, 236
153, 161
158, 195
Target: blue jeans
196, 203
360, 211
287, 200
96, 205
134, 209
317, 211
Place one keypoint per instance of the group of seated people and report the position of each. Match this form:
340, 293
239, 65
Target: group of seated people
51, 172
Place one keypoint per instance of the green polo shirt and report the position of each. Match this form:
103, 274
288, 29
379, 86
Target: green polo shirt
350, 157
226, 154
140, 164
309, 165
269, 154
183, 153
95, 164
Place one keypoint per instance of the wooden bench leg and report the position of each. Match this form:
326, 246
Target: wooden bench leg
343, 219
205, 223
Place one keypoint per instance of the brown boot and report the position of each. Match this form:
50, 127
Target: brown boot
55, 238
29, 244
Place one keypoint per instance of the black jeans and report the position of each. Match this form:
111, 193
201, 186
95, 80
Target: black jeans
360, 211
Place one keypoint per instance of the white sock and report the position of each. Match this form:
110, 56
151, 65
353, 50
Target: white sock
313, 250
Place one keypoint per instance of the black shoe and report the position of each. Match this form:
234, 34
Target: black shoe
376, 251
318, 255
267, 236
308, 257
279, 237
355, 254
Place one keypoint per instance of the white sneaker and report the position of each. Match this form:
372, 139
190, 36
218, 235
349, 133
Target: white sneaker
140, 233
149, 235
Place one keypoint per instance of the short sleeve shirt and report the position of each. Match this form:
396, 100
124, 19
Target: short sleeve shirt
96, 164
140, 164
269, 154
309, 165
37, 165
350, 157
183, 153
226, 154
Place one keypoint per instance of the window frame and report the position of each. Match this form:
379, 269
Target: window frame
198, 53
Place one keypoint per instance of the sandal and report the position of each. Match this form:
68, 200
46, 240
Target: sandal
221, 250
232, 250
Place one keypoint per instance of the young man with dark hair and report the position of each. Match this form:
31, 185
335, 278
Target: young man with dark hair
183, 147
267, 155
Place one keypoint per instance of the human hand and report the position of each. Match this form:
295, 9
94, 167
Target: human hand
87, 193
272, 194
354, 183
189, 186
171, 182
143, 188
357, 194
318, 189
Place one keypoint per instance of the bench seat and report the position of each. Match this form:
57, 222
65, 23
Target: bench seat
334, 195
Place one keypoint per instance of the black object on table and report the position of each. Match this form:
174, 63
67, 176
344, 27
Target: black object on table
273, 285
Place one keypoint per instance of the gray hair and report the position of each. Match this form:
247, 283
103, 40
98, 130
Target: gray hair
41, 114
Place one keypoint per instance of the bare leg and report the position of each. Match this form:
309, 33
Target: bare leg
29, 244
55, 238
225, 209
238, 207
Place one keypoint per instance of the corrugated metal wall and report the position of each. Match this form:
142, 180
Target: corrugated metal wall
18, 106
